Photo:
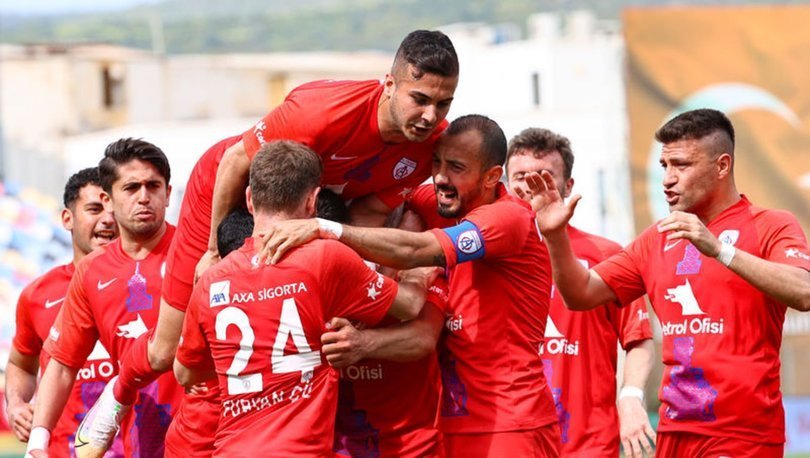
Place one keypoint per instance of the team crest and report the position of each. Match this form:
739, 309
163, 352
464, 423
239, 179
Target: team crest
469, 242
404, 168
729, 236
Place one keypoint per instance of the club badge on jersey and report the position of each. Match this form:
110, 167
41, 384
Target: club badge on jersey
468, 241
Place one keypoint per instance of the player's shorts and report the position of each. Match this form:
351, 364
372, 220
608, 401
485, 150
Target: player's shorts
194, 425
193, 227
542, 442
417, 443
677, 445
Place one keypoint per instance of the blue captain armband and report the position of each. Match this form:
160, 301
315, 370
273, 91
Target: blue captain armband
467, 240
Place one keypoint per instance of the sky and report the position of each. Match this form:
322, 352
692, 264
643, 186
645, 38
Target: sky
43, 7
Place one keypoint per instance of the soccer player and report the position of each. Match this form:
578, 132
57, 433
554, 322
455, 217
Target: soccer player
375, 139
579, 354
259, 326
113, 297
495, 401
720, 273
91, 226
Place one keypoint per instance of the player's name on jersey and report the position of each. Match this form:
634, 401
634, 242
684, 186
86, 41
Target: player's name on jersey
692, 326
559, 346
454, 323
362, 372
221, 294
239, 407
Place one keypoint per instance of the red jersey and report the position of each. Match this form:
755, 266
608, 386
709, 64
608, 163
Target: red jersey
388, 408
500, 282
115, 299
579, 358
261, 325
37, 307
721, 336
338, 120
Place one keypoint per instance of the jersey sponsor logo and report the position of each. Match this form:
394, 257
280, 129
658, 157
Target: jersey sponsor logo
556, 343
101, 285
690, 264
362, 372
688, 394
643, 315
453, 323
53, 333
363, 171
49, 303
98, 365
133, 329
794, 253
138, 297
729, 236
685, 297
404, 168
335, 157
219, 293
258, 131
374, 288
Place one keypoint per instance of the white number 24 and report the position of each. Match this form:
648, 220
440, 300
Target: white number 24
305, 361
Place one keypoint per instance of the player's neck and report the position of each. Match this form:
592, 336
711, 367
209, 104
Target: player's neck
262, 222
718, 205
138, 247
389, 132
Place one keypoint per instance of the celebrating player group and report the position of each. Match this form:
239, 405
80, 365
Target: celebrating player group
317, 299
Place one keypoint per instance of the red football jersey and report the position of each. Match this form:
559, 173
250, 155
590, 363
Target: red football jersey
338, 120
114, 299
721, 336
388, 408
500, 282
37, 307
579, 358
261, 325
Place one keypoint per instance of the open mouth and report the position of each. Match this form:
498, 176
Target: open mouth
446, 196
104, 236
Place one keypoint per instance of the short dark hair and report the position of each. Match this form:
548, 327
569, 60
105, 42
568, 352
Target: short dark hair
233, 230
125, 150
281, 175
541, 142
332, 207
76, 182
493, 140
695, 125
428, 52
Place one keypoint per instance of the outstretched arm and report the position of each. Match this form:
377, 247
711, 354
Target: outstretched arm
787, 284
582, 289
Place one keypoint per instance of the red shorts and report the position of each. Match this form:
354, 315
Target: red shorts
193, 227
542, 442
194, 425
677, 445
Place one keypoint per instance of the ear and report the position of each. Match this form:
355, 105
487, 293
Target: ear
311, 205
389, 85
168, 195
493, 176
67, 219
249, 200
569, 184
724, 165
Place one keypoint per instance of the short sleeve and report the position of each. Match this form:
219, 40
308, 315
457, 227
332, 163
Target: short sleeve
631, 323
193, 350
74, 332
622, 274
782, 239
26, 340
439, 295
291, 120
351, 289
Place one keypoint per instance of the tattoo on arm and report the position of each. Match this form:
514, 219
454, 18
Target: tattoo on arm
439, 260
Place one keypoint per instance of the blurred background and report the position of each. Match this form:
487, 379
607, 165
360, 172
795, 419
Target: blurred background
78, 74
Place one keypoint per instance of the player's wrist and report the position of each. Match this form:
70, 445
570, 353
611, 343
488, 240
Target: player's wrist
329, 229
726, 254
38, 439
631, 392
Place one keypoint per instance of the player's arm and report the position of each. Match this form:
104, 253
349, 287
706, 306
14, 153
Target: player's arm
581, 288
390, 247
344, 345
193, 363
21, 384
790, 285
636, 433
368, 211
229, 191
188, 376
53, 393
